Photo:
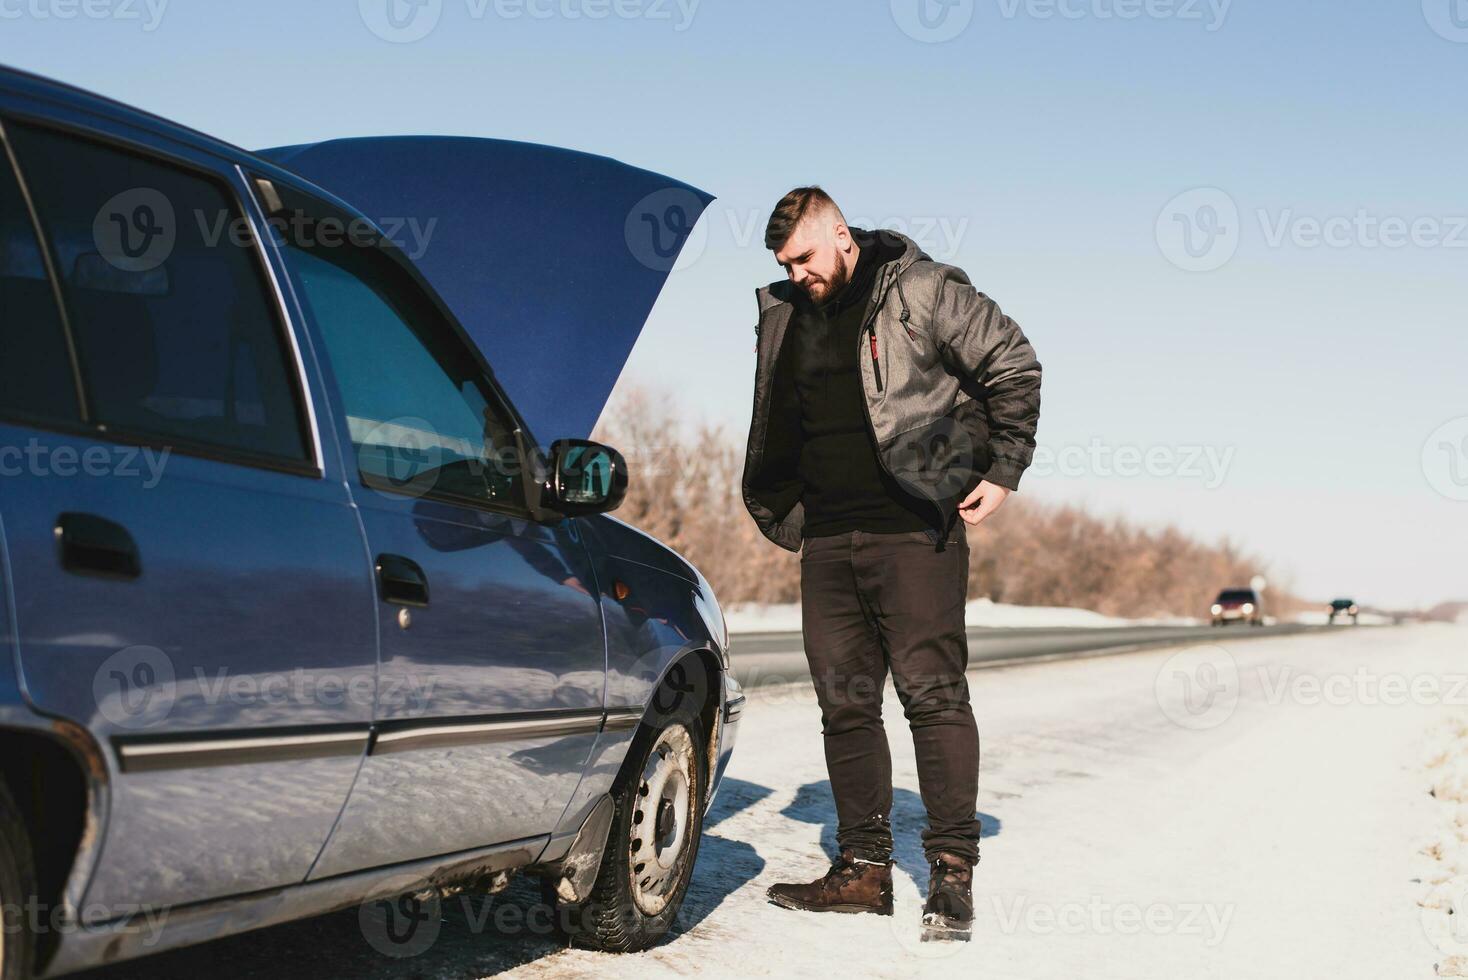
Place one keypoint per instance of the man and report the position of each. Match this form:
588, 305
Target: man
891, 398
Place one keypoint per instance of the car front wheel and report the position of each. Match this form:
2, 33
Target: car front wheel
652, 844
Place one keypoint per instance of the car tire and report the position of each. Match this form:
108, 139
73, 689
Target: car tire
652, 846
17, 886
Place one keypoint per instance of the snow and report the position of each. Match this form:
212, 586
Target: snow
1283, 828
785, 617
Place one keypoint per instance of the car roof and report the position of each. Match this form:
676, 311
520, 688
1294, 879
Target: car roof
73, 97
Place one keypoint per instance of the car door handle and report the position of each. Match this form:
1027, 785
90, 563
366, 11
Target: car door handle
401, 582
92, 545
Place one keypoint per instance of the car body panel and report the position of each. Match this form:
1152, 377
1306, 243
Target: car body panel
215, 662
550, 258
234, 840
532, 653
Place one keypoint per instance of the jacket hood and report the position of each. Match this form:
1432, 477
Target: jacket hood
783, 290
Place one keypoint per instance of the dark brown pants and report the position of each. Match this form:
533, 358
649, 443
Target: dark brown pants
874, 602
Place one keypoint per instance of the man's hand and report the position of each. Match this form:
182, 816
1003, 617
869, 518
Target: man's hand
984, 501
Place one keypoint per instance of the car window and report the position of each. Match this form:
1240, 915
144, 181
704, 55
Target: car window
176, 335
39, 383
422, 417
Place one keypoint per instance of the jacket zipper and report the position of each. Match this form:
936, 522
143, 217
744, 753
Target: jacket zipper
876, 364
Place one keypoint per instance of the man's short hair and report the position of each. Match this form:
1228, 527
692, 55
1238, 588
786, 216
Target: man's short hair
791, 210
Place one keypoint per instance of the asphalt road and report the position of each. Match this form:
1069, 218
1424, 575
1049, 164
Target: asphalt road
762, 659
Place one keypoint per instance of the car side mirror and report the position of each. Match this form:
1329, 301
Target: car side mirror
585, 477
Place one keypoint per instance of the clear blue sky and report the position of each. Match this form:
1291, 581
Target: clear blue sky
1037, 152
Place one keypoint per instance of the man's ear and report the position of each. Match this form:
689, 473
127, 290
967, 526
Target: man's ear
842, 235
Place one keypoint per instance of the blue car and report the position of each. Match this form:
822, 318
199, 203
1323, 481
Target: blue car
301, 615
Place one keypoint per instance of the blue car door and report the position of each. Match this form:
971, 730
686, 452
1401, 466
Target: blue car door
492, 673
189, 575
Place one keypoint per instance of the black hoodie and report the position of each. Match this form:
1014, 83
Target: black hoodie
843, 485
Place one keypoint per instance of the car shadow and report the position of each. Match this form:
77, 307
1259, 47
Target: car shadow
464, 935
814, 804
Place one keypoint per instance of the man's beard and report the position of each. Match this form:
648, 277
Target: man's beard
838, 282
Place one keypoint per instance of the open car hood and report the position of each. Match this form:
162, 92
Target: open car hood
550, 258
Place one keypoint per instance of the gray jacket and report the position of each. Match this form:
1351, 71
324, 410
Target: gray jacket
952, 394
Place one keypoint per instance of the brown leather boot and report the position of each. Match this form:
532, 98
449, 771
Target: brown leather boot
949, 911
850, 886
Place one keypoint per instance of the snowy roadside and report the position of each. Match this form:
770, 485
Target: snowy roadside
979, 613
1135, 828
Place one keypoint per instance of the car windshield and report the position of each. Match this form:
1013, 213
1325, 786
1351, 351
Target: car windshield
1343, 603
1236, 595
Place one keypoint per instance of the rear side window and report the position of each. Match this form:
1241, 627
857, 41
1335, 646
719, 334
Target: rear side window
175, 334
38, 382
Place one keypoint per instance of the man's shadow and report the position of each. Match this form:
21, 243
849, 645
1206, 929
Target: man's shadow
814, 803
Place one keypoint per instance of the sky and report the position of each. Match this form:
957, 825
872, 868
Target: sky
1234, 230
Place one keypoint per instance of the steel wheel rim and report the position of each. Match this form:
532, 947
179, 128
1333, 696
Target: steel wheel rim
661, 820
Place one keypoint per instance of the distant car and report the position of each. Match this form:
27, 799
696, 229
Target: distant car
359, 638
1344, 607
1238, 606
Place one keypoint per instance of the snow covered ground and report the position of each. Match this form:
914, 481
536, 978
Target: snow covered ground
1135, 827
785, 617
1243, 810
